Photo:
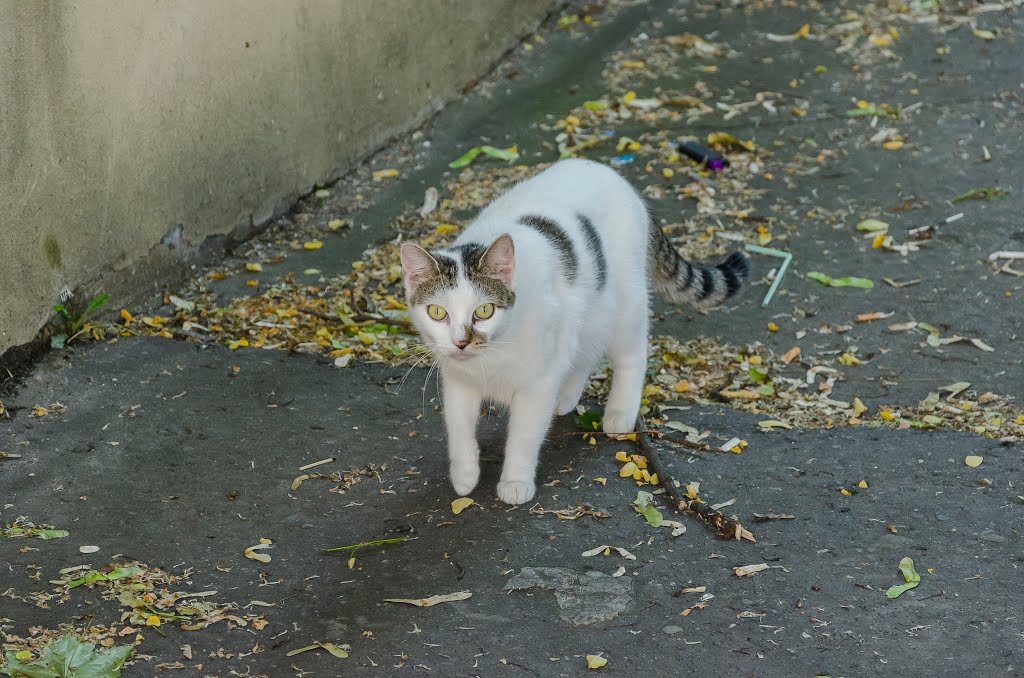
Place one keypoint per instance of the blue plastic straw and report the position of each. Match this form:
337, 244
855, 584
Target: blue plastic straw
771, 252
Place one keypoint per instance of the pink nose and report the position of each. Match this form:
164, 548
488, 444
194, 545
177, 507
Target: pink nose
461, 344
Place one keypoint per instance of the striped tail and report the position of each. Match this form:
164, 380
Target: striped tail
683, 283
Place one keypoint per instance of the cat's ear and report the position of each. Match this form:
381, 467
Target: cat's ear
417, 265
499, 261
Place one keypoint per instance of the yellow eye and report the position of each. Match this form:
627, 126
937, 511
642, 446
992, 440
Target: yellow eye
484, 311
436, 312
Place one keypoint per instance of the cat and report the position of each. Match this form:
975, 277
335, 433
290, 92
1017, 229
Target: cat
549, 279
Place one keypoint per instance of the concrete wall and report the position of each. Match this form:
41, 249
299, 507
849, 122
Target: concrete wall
122, 118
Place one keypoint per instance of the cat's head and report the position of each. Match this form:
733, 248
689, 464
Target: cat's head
458, 297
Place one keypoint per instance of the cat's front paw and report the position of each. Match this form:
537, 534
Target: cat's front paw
464, 478
516, 491
618, 422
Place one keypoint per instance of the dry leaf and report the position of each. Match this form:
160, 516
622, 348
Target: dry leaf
432, 600
595, 662
605, 548
748, 570
973, 460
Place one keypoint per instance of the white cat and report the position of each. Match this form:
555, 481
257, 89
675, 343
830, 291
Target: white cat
549, 279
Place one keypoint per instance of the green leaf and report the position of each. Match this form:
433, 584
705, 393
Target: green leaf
872, 226
848, 281
589, 421
466, 158
599, 105
909, 575
500, 153
490, 151
987, 193
50, 534
68, 657
643, 506
96, 303
93, 576
61, 310
757, 376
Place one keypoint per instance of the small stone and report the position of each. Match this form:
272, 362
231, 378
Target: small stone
672, 630
993, 537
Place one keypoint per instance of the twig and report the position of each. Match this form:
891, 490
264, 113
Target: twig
379, 542
726, 528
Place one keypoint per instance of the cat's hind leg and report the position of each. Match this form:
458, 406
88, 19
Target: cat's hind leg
572, 389
628, 357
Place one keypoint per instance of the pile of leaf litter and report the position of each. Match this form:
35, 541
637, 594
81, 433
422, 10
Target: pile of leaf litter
149, 598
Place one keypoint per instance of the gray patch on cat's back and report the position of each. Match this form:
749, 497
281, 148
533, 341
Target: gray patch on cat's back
558, 238
583, 597
594, 245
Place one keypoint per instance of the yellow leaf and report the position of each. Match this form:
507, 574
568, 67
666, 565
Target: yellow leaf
886, 415
312, 245
863, 484
127, 317
772, 327
40, 411
461, 504
850, 360
846, 492
883, 40
878, 240
385, 174
351, 562
621, 456
654, 479
601, 481
254, 268
691, 491
23, 656
640, 460
335, 224
667, 172
681, 386
595, 662
445, 229
627, 470
631, 64
803, 31
859, 408
152, 620
265, 541
894, 145
973, 460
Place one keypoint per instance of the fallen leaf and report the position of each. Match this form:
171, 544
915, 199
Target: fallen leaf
312, 245
749, 570
973, 460
385, 174
432, 600
871, 317
254, 268
848, 281
461, 504
88, 549
252, 554
595, 662
909, 575
872, 226
791, 355
606, 548
769, 424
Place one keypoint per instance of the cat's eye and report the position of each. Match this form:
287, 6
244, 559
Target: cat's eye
484, 311
436, 312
